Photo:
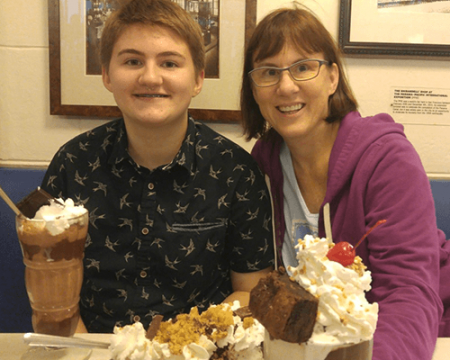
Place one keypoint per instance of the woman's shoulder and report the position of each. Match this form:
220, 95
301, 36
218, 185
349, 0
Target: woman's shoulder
363, 131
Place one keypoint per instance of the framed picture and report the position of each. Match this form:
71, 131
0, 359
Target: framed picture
395, 27
76, 87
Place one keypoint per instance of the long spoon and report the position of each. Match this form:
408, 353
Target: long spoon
33, 339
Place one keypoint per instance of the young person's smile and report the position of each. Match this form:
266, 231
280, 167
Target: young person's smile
152, 76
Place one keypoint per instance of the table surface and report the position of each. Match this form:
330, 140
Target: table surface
12, 347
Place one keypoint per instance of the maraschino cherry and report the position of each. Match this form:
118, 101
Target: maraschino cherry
344, 253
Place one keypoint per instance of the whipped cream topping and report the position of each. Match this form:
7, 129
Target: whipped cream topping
344, 314
130, 343
58, 217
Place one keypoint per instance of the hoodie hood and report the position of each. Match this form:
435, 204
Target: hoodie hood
356, 136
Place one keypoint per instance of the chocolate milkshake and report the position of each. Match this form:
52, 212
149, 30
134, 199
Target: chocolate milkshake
53, 249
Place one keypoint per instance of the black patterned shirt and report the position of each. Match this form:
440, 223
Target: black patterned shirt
162, 241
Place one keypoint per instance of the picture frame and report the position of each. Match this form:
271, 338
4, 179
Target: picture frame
400, 28
75, 93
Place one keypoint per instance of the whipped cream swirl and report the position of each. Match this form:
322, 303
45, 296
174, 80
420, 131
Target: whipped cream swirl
57, 217
344, 314
130, 343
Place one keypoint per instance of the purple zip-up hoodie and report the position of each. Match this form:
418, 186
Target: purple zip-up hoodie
375, 173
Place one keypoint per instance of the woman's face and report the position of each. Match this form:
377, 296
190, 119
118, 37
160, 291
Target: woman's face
296, 108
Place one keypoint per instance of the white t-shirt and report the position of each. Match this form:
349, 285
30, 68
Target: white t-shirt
299, 221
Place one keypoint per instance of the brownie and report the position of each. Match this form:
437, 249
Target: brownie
284, 308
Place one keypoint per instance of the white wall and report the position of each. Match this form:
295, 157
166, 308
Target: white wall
29, 135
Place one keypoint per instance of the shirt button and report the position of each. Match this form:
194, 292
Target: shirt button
143, 274
145, 231
137, 318
151, 186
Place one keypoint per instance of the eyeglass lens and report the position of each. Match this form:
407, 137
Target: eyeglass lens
302, 70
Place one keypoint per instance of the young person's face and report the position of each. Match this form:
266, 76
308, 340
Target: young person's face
296, 108
152, 76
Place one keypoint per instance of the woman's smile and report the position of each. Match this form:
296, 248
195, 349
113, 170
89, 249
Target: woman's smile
290, 109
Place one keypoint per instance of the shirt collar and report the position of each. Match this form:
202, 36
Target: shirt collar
184, 158
119, 151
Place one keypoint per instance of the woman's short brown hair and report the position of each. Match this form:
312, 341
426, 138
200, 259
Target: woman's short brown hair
153, 12
302, 29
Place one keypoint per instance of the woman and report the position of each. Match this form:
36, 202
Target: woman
316, 149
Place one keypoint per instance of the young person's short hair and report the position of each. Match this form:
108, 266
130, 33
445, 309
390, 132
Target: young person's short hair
163, 13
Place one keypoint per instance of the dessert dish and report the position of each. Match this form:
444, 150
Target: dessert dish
217, 333
53, 249
344, 319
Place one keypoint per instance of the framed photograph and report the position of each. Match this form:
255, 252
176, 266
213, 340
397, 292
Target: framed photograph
76, 87
395, 27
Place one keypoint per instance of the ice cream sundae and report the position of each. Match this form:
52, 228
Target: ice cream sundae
343, 320
217, 333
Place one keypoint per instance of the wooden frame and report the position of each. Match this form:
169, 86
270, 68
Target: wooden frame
402, 28
59, 108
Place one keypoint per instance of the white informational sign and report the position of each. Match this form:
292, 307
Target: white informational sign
421, 105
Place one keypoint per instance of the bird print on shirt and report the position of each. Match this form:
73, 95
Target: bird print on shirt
214, 173
157, 242
100, 187
181, 209
178, 188
247, 235
168, 302
95, 165
197, 269
126, 222
162, 223
80, 179
196, 220
221, 202
124, 202
242, 197
92, 263
171, 264
189, 249
179, 285
200, 192
211, 247
252, 215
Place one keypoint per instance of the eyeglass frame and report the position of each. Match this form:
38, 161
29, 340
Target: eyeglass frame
288, 68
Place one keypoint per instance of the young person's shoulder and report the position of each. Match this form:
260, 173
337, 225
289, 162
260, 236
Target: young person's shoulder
220, 143
100, 136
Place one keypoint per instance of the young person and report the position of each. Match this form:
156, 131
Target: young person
317, 149
179, 215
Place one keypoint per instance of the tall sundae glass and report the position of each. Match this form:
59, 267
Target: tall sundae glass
53, 249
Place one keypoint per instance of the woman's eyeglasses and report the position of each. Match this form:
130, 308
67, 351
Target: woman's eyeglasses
301, 71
